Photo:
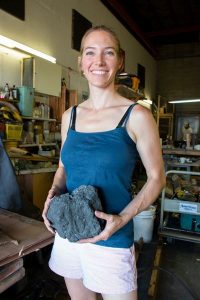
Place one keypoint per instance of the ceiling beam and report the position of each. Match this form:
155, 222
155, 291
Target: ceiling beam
120, 12
174, 31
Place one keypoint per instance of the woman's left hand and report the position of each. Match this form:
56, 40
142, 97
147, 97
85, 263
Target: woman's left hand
113, 223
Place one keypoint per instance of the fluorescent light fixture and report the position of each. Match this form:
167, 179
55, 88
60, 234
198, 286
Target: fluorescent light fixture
7, 42
123, 74
13, 44
12, 52
185, 101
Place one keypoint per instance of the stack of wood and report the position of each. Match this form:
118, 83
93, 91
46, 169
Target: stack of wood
19, 236
11, 273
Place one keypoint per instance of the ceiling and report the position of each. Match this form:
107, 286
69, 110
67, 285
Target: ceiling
155, 23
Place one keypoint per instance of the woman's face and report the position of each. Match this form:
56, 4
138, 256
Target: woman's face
100, 60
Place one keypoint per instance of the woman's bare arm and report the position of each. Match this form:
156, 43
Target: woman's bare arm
144, 130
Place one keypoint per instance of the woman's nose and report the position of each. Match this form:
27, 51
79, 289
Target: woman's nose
100, 59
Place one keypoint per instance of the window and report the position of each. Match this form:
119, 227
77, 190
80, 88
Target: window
79, 26
15, 8
141, 75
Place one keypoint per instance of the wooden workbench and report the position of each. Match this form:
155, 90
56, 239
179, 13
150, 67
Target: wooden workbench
19, 236
177, 164
183, 152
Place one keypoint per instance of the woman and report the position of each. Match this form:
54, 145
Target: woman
100, 141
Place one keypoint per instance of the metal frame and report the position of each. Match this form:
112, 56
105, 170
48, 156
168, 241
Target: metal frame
174, 205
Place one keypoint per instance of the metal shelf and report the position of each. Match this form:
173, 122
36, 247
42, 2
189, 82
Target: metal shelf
38, 119
181, 206
177, 206
36, 145
180, 235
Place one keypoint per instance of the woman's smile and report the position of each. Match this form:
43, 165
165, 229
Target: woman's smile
99, 72
100, 60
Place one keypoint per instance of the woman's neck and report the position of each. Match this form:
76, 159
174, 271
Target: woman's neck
100, 98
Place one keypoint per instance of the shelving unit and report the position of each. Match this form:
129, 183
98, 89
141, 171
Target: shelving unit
168, 206
38, 119
165, 122
36, 145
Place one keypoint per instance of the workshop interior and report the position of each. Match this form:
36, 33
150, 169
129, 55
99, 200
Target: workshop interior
40, 80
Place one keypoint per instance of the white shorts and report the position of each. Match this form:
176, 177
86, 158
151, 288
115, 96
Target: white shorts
104, 270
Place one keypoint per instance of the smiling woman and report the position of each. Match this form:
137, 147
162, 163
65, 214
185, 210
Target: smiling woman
100, 59
101, 139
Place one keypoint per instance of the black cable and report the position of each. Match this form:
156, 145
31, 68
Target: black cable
178, 278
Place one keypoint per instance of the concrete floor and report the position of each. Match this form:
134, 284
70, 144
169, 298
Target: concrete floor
178, 277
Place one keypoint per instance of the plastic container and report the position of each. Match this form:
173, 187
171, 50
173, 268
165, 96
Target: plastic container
26, 100
190, 222
144, 224
14, 132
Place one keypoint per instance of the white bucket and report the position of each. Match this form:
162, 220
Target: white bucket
143, 224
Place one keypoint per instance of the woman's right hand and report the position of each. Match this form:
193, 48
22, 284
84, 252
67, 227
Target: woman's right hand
52, 192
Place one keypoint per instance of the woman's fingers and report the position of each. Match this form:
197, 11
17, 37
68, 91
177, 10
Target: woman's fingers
44, 214
113, 223
48, 226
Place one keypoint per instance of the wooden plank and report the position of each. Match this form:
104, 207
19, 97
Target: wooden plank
33, 157
30, 234
5, 238
181, 152
12, 279
10, 268
154, 276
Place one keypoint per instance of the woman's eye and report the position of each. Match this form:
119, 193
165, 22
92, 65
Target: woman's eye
89, 53
109, 52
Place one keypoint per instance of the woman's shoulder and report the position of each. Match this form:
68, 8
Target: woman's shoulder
141, 115
141, 110
67, 116
68, 112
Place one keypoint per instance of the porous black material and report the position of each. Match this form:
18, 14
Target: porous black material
72, 215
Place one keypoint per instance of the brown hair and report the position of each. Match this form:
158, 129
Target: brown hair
120, 52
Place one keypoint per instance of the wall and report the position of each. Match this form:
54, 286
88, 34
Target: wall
179, 75
47, 27
10, 70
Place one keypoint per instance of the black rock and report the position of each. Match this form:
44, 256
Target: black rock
72, 215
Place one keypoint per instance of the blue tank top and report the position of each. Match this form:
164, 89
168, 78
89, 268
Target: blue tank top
105, 160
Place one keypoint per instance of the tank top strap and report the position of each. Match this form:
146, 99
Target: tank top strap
73, 118
125, 117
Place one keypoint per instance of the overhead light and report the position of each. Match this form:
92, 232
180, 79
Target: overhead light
7, 42
123, 74
185, 101
12, 52
13, 44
